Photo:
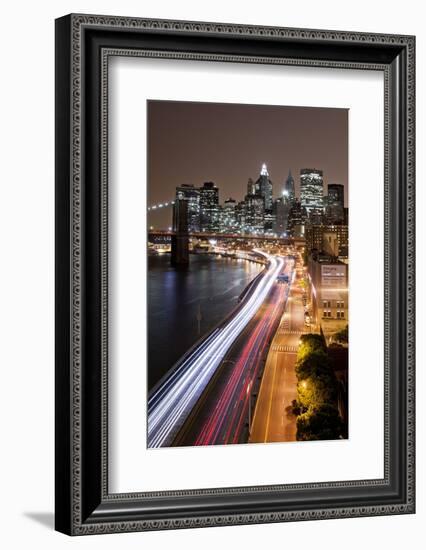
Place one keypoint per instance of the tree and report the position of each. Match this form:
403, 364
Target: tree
315, 362
323, 423
343, 335
316, 391
310, 343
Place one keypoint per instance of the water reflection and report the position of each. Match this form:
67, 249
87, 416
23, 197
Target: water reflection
185, 304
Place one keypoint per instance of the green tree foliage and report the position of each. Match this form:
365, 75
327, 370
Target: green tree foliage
319, 424
343, 335
317, 391
310, 343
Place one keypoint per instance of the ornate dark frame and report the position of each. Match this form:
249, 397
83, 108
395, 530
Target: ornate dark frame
83, 46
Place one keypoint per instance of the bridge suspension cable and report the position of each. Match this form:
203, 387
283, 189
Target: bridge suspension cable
160, 205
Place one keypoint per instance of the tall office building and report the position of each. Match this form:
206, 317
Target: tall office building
281, 210
288, 191
240, 216
311, 192
192, 196
336, 193
209, 207
335, 204
296, 220
254, 214
269, 221
250, 187
229, 219
263, 187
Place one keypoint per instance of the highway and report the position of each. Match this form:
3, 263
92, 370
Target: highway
222, 417
273, 420
173, 399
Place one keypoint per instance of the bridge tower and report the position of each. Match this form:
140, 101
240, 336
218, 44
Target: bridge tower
180, 239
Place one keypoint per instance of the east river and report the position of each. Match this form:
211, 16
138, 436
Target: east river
185, 304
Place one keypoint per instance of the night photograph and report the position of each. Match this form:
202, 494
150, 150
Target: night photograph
247, 274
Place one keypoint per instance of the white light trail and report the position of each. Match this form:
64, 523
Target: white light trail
172, 401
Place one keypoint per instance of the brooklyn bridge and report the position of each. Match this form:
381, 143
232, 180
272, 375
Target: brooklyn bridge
179, 236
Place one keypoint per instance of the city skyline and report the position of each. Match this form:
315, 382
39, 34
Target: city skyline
248, 263
228, 143
259, 212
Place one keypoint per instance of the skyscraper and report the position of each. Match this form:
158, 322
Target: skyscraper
334, 210
288, 191
263, 187
250, 187
281, 210
240, 216
336, 192
229, 220
255, 214
192, 196
311, 191
296, 219
209, 207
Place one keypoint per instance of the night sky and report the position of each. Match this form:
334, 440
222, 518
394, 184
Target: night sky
227, 143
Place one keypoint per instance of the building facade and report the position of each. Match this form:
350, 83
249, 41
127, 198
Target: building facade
329, 292
229, 217
281, 210
289, 191
335, 204
296, 220
254, 214
263, 187
209, 208
337, 239
311, 192
192, 195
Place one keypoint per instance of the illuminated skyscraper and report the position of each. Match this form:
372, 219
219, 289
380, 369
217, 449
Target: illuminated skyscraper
229, 220
255, 214
288, 191
281, 210
263, 187
250, 187
311, 192
240, 216
209, 207
297, 220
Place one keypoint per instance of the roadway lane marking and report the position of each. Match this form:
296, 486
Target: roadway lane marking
270, 401
281, 347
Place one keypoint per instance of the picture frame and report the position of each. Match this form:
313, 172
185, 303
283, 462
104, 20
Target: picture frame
83, 503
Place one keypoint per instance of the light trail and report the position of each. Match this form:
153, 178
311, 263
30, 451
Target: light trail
171, 402
227, 420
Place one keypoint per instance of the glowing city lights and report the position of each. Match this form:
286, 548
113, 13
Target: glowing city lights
170, 404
